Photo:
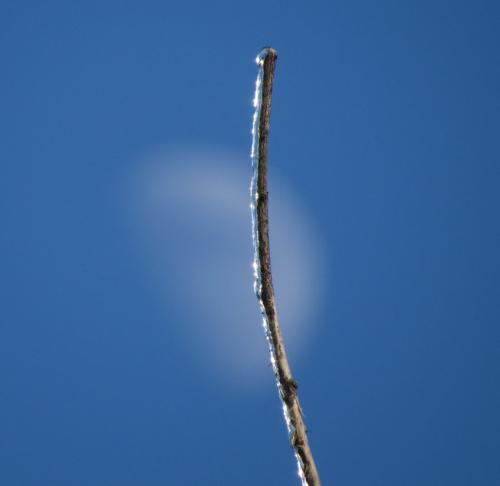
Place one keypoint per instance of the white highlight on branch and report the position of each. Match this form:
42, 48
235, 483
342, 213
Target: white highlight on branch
254, 154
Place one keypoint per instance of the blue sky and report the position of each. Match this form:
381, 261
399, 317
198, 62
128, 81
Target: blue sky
131, 351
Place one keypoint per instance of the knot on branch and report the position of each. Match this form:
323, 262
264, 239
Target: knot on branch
289, 389
262, 197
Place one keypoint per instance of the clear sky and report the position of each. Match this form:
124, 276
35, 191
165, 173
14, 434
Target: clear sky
131, 351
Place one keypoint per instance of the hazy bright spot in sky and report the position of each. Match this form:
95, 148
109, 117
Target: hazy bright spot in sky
193, 218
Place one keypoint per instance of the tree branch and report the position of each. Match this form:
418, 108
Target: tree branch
286, 383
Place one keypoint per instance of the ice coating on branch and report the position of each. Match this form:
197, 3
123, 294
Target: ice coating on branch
254, 154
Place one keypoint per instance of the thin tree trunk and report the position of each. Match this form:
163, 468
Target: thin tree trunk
286, 384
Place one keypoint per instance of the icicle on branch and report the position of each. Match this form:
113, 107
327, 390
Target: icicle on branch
263, 283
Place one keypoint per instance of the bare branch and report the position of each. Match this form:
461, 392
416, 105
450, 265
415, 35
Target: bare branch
286, 384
